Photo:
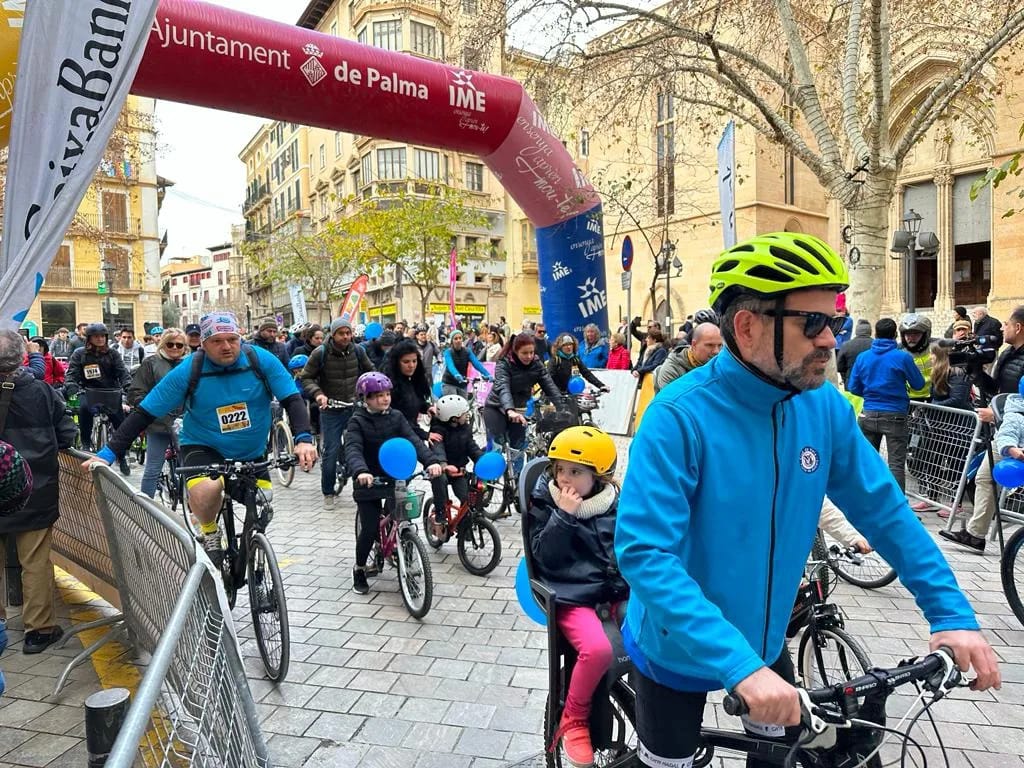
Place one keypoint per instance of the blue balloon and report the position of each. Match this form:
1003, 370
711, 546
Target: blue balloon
529, 408
398, 458
525, 596
373, 331
438, 389
490, 466
1009, 473
577, 385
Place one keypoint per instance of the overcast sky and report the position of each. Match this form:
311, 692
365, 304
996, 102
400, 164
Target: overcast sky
199, 153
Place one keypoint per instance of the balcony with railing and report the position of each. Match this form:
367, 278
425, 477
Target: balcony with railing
122, 227
256, 194
530, 262
65, 278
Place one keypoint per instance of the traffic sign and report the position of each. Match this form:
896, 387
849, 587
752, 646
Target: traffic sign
627, 280
101, 288
627, 253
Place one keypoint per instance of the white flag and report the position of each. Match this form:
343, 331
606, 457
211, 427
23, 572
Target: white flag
727, 183
75, 67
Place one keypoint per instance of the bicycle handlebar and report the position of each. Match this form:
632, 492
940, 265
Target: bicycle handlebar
332, 403
246, 468
937, 671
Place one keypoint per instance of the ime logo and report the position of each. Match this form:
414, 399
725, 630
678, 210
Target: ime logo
463, 94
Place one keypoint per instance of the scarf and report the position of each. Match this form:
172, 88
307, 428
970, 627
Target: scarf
598, 504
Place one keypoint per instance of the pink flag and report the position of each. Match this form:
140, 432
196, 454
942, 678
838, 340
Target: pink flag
452, 274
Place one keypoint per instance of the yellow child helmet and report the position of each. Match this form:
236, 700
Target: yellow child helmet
775, 264
588, 446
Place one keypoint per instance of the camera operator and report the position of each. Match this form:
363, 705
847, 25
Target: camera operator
1006, 375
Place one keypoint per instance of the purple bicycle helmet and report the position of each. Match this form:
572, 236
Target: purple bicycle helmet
371, 383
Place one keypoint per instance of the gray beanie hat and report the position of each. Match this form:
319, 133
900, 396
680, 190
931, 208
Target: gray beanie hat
340, 323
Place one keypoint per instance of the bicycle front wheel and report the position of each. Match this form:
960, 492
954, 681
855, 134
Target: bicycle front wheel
829, 656
1012, 573
283, 448
479, 545
869, 571
99, 435
268, 608
414, 575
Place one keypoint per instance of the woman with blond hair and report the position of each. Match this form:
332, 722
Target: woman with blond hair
618, 354
170, 350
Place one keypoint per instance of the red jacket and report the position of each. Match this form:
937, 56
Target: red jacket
618, 358
55, 370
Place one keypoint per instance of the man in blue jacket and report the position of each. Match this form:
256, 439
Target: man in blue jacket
883, 376
714, 550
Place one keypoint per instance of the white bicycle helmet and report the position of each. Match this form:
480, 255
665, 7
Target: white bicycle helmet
451, 407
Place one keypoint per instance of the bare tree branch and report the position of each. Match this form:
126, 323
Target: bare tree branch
882, 77
851, 70
809, 102
942, 95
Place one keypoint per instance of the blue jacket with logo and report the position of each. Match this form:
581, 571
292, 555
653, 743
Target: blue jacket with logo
718, 512
882, 375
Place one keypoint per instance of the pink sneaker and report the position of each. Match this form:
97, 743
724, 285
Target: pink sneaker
922, 506
575, 737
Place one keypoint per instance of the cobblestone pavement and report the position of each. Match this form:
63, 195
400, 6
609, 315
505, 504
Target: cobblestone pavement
465, 687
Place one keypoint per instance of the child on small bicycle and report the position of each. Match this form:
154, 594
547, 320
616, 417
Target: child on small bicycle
453, 442
572, 524
373, 423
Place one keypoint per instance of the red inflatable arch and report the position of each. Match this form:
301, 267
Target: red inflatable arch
213, 57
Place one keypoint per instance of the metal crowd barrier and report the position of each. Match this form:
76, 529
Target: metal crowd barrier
193, 706
80, 547
943, 445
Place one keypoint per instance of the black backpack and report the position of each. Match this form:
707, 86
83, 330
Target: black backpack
196, 372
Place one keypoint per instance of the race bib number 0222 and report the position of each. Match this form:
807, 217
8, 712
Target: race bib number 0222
233, 417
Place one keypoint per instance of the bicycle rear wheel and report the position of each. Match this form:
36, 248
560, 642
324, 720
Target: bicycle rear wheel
1012, 573
479, 545
268, 608
283, 448
868, 571
415, 578
829, 656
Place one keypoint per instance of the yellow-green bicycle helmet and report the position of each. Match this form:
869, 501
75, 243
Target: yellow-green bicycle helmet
775, 264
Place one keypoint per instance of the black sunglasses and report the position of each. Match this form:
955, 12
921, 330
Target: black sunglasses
175, 344
814, 322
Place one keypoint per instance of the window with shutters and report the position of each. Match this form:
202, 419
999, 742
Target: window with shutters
424, 39
115, 212
475, 177
59, 275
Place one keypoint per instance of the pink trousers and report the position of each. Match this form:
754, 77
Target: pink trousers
582, 628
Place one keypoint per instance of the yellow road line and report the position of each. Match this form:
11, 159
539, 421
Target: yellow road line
110, 659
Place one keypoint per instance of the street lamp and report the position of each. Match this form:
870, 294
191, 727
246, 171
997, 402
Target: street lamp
911, 243
663, 260
109, 271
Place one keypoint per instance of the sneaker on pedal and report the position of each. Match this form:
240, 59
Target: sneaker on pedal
359, 582
213, 549
576, 744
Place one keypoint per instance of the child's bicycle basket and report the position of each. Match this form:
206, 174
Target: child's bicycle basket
412, 507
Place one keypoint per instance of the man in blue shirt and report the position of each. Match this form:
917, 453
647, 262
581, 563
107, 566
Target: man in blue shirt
227, 416
714, 550
882, 376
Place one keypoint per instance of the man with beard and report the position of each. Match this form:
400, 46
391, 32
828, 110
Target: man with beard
690, 526
266, 337
883, 376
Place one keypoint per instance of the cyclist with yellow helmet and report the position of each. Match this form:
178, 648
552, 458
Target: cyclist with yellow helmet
572, 529
722, 497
